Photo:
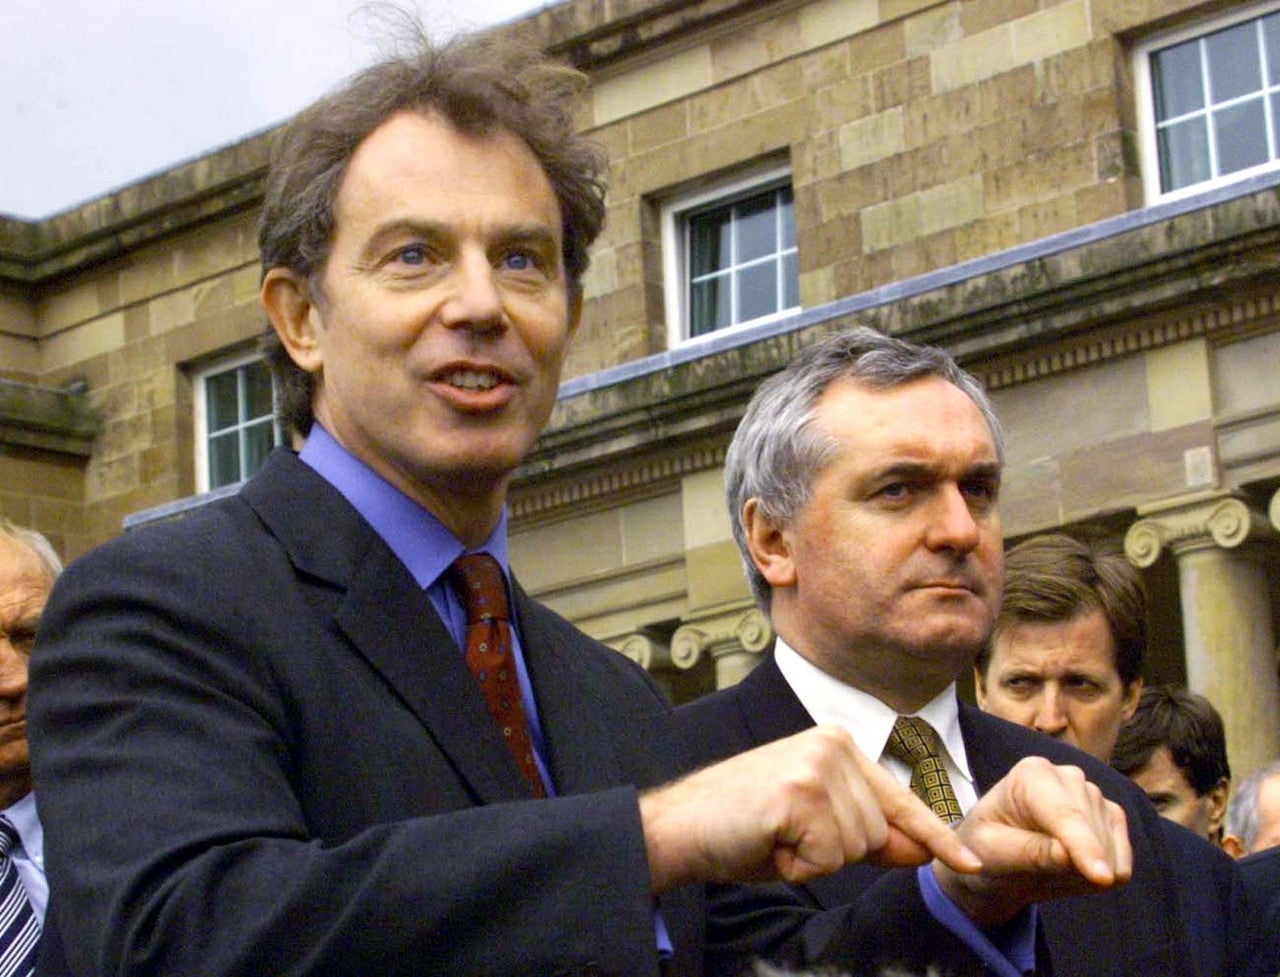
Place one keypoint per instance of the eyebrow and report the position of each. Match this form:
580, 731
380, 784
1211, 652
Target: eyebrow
991, 471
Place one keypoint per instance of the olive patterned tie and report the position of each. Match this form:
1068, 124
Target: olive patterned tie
914, 742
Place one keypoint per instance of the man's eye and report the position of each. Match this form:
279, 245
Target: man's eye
413, 255
22, 639
981, 490
895, 490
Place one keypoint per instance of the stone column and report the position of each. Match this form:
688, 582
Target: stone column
735, 637
644, 650
1222, 548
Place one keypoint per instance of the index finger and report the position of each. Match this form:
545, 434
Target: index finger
916, 834
1090, 831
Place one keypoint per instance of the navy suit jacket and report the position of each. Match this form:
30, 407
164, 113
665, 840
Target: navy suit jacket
1261, 874
1180, 883
258, 752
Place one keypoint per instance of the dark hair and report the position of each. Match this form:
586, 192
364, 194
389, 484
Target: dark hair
777, 449
480, 83
1186, 723
1054, 577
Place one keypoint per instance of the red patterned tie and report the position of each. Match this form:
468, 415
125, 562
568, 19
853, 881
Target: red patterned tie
478, 580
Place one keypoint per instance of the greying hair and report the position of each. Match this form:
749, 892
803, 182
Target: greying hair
777, 449
481, 84
36, 542
1055, 577
1242, 812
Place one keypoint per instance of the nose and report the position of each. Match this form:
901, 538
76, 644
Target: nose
474, 301
952, 525
1051, 717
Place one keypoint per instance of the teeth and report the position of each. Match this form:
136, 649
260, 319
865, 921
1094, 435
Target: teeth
472, 380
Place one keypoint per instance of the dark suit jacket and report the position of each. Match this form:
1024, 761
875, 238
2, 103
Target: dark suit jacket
1261, 874
259, 753
1141, 928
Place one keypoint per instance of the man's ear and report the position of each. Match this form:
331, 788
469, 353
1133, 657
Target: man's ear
575, 310
979, 687
1129, 704
769, 546
1218, 805
294, 316
1233, 846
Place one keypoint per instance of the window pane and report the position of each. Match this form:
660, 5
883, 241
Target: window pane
1271, 40
790, 280
757, 291
258, 439
222, 400
1234, 69
1178, 83
1184, 154
788, 216
757, 228
224, 459
1275, 114
257, 390
709, 241
1241, 132
709, 306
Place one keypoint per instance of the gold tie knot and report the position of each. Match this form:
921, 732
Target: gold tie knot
914, 742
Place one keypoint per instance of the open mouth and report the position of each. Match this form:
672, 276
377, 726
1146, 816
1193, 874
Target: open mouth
477, 380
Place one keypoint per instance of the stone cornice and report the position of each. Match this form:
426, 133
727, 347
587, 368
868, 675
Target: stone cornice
593, 35
221, 183
58, 421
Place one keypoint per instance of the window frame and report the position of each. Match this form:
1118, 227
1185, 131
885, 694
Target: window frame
200, 408
1144, 90
675, 214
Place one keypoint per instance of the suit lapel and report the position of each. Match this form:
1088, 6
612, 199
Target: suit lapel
387, 618
579, 749
769, 707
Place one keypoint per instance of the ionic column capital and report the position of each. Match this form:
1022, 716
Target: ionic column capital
1222, 521
644, 650
726, 631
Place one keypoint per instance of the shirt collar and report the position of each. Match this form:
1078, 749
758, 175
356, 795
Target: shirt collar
25, 819
417, 537
868, 720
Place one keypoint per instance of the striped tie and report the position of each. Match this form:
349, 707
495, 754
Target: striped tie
19, 928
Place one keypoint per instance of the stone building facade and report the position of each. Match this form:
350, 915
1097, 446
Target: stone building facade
986, 175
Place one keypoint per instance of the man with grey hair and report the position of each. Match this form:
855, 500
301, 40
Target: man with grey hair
863, 485
28, 567
1253, 816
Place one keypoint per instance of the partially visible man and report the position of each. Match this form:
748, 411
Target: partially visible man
1253, 816
863, 485
317, 728
28, 567
1066, 654
1175, 748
